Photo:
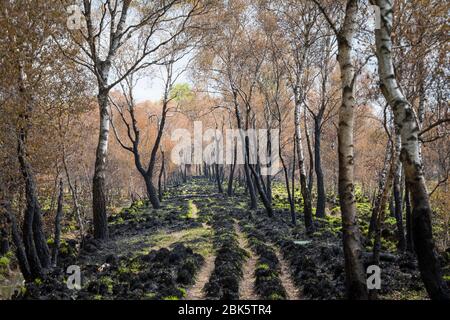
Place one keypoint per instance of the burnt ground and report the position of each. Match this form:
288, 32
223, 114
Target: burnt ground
204, 245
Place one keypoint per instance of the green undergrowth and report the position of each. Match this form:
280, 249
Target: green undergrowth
198, 239
192, 211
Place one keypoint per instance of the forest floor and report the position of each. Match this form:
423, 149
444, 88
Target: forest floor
199, 246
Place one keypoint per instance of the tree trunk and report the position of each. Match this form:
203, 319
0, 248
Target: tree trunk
409, 238
35, 243
152, 193
381, 186
57, 237
381, 208
219, 178
73, 191
321, 198
161, 173
405, 119
398, 208
4, 243
248, 177
306, 195
230, 178
20, 249
311, 157
250, 187
36, 248
354, 271
98, 184
288, 189
269, 176
261, 192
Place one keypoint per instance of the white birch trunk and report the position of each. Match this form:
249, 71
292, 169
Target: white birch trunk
406, 121
355, 275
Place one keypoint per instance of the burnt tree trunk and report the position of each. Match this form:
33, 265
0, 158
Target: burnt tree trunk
58, 217
231, 176
160, 177
19, 247
306, 192
381, 185
248, 177
398, 206
321, 197
73, 191
409, 238
33, 235
381, 208
99, 215
311, 156
288, 189
261, 192
4, 241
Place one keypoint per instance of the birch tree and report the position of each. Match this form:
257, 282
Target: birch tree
127, 115
110, 26
354, 271
410, 155
301, 34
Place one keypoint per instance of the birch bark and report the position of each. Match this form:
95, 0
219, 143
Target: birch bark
406, 121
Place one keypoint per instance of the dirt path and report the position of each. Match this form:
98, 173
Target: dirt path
293, 293
196, 291
247, 285
192, 210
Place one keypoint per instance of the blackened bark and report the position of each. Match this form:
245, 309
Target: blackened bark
20, 249
311, 156
160, 177
298, 151
409, 238
98, 183
380, 213
74, 193
40, 239
151, 191
219, 178
321, 197
4, 242
35, 245
250, 187
58, 217
183, 174
398, 208
268, 185
261, 192
231, 176
248, 177
392, 205
288, 189
381, 185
